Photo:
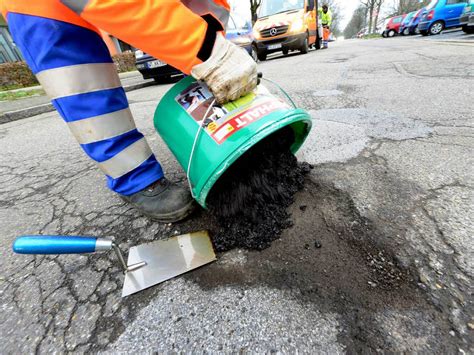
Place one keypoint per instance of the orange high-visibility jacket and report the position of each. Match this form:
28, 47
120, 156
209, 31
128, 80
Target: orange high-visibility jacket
181, 33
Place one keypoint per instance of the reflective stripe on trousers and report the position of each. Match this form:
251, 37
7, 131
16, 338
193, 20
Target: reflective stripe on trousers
75, 68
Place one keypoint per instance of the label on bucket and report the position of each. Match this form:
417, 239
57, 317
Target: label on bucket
224, 120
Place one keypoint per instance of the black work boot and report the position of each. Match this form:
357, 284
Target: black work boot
163, 201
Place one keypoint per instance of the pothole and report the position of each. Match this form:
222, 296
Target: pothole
328, 260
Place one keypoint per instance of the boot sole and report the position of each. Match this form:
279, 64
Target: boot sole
172, 217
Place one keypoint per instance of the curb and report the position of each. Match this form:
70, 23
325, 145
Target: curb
12, 116
456, 42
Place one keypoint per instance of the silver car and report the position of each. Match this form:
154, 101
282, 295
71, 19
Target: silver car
467, 18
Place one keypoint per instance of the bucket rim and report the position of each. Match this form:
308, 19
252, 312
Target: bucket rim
296, 115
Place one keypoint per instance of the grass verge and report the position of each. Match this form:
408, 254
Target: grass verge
373, 35
16, 95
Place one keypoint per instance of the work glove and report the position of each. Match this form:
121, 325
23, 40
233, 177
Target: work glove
230, 72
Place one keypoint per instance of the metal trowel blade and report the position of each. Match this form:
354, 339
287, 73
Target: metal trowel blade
166, 259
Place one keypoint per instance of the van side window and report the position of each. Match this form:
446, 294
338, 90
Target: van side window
451, 2
311, 4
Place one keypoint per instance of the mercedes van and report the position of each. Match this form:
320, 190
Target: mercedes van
287, 25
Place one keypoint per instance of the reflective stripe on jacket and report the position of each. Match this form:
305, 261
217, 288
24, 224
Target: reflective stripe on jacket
181, 33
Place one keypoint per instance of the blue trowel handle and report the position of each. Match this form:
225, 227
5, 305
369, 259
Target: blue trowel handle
59, 244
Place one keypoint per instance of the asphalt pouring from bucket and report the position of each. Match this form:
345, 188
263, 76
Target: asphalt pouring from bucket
249, 201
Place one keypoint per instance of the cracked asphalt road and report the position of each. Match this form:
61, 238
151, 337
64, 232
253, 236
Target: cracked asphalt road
380, 257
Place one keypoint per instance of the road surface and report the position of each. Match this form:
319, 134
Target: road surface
389, 201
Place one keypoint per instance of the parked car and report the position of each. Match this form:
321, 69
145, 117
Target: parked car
413, 25
393, 26
403, 30
362, 32
152, 68
284, 26
441, 14
238, 31
381, 30
467, 18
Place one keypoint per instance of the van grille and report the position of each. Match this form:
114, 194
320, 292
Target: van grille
279, 31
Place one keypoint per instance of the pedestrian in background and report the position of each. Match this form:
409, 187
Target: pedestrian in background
325, 16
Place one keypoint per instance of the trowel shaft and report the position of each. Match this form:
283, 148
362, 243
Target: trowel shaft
62, 244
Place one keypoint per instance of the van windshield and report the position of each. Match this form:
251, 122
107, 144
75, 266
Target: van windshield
272, 7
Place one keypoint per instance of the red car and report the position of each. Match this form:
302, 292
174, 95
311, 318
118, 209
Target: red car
393, 26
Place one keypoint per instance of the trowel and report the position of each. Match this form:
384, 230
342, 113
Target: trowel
148, 264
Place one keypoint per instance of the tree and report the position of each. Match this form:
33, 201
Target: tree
357, 22
369, 10
401, 7
254, 4
372, 11
378, 7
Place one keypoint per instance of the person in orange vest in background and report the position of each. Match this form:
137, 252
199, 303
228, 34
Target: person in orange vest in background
326, 19
61, 43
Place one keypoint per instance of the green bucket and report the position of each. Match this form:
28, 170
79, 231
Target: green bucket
205, 148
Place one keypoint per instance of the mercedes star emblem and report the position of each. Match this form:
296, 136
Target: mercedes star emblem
273, 31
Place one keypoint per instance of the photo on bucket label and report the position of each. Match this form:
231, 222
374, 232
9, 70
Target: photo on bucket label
224, 120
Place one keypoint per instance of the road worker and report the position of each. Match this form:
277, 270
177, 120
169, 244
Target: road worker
61, 43
326, 19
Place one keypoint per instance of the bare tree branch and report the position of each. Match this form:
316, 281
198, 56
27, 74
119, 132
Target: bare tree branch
254, 5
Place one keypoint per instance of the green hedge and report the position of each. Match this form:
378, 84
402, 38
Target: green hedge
125, 62
18, 75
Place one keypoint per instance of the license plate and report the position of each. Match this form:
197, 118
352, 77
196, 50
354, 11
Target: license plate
155, 64
274, 46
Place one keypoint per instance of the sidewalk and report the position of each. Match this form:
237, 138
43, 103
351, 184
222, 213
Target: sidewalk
35, 105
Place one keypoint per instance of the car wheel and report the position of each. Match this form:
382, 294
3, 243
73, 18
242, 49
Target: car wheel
436, 28
468, 29
285, 51
391, 33
406, 32
262, 56
254, 53
424, 33
319, 42
162, 79
305, 47
417, 31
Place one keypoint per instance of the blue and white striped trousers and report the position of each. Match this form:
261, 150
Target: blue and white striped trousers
75, 69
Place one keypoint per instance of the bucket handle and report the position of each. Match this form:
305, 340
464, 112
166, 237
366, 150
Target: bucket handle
282, 90
198, 134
